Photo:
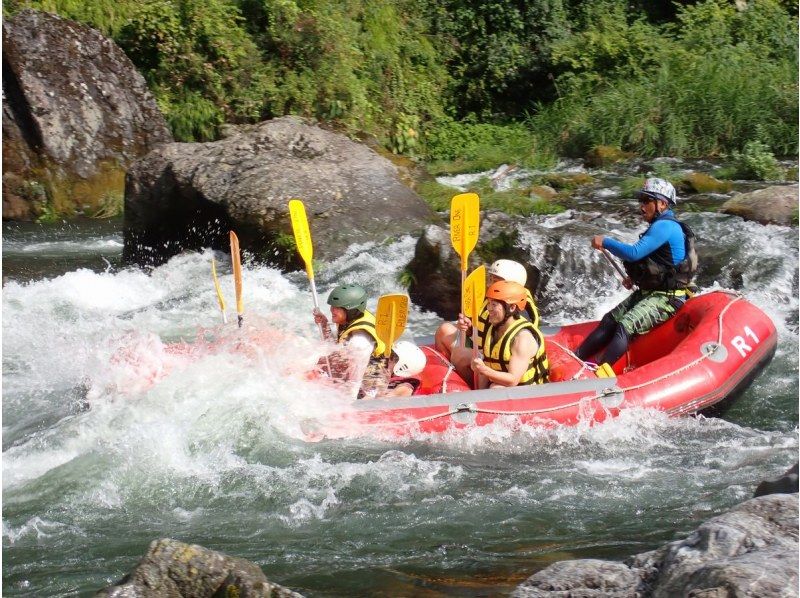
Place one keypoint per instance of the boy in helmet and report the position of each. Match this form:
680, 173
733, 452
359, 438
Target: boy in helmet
362, 355
405, 364
661, 264
513, 348
448, 333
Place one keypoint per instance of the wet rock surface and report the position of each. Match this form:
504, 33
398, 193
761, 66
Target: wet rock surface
72, 125
177, 570
773, 205
749, 551
185, 196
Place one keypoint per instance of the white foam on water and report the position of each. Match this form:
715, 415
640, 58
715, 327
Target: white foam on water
202, 427
72, 247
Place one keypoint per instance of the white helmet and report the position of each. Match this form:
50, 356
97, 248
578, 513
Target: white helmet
508, 270
658, 189
410, 359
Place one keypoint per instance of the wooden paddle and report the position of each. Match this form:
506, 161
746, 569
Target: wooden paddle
464, 227
472, 302
220, 298
302, 238
390, 319
236, 260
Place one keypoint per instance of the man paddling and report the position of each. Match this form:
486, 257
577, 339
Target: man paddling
447, 334
661, 264
513, 348
362, 355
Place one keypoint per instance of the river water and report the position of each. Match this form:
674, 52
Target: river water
98, 461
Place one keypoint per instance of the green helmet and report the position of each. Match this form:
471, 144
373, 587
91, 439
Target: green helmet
348, 296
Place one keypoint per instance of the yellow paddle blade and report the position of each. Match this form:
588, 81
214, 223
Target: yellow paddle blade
220, 298
390, 319
236, 259
302, 235
474, 293
464, 224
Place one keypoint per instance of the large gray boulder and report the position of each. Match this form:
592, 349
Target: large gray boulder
185, 196
773, 205
76, 114
173, 569
749, 551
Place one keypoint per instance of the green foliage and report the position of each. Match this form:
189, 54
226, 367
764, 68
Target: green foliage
286, 241
436, 195
46, 213
710, 82
611, 44
470, 147
106, 16
200, 62
368, 66
406, 278
755, 161
111, 205
498, 52
514, 201
443, 80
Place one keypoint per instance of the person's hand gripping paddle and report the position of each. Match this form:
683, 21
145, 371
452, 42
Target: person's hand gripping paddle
464, 227
472, 301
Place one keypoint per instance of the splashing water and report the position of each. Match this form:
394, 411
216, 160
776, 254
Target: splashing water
130, 413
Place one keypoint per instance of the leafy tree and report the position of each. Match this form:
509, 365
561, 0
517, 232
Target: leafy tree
497, 52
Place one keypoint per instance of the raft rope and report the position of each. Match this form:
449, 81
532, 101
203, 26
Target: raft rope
465, 407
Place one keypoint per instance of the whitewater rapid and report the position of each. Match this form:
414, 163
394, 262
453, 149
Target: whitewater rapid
112, 437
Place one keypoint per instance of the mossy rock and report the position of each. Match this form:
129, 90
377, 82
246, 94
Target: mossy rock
705, 183
571, 180
604, 155
543, 192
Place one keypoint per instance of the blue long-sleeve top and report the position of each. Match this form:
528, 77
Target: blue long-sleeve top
660, 231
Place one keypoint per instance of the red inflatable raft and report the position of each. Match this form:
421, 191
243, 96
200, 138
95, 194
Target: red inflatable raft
709, 352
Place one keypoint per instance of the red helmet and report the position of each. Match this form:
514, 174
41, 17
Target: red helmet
509, 292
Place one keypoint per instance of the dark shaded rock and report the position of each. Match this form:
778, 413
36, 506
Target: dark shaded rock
76, 114
177, 570
187, 195
749, 551
773, 205
786, 484
436, 267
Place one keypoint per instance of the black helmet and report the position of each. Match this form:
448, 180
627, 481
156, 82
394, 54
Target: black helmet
348, 296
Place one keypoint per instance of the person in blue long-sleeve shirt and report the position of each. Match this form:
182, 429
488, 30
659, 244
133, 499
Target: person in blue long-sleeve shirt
661, 264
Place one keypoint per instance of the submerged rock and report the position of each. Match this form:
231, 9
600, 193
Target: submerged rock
76, 114
175, 569
187, 195
749, 551
774, 205
786, 484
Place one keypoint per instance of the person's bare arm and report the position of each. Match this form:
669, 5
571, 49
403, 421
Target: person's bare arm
523, 349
